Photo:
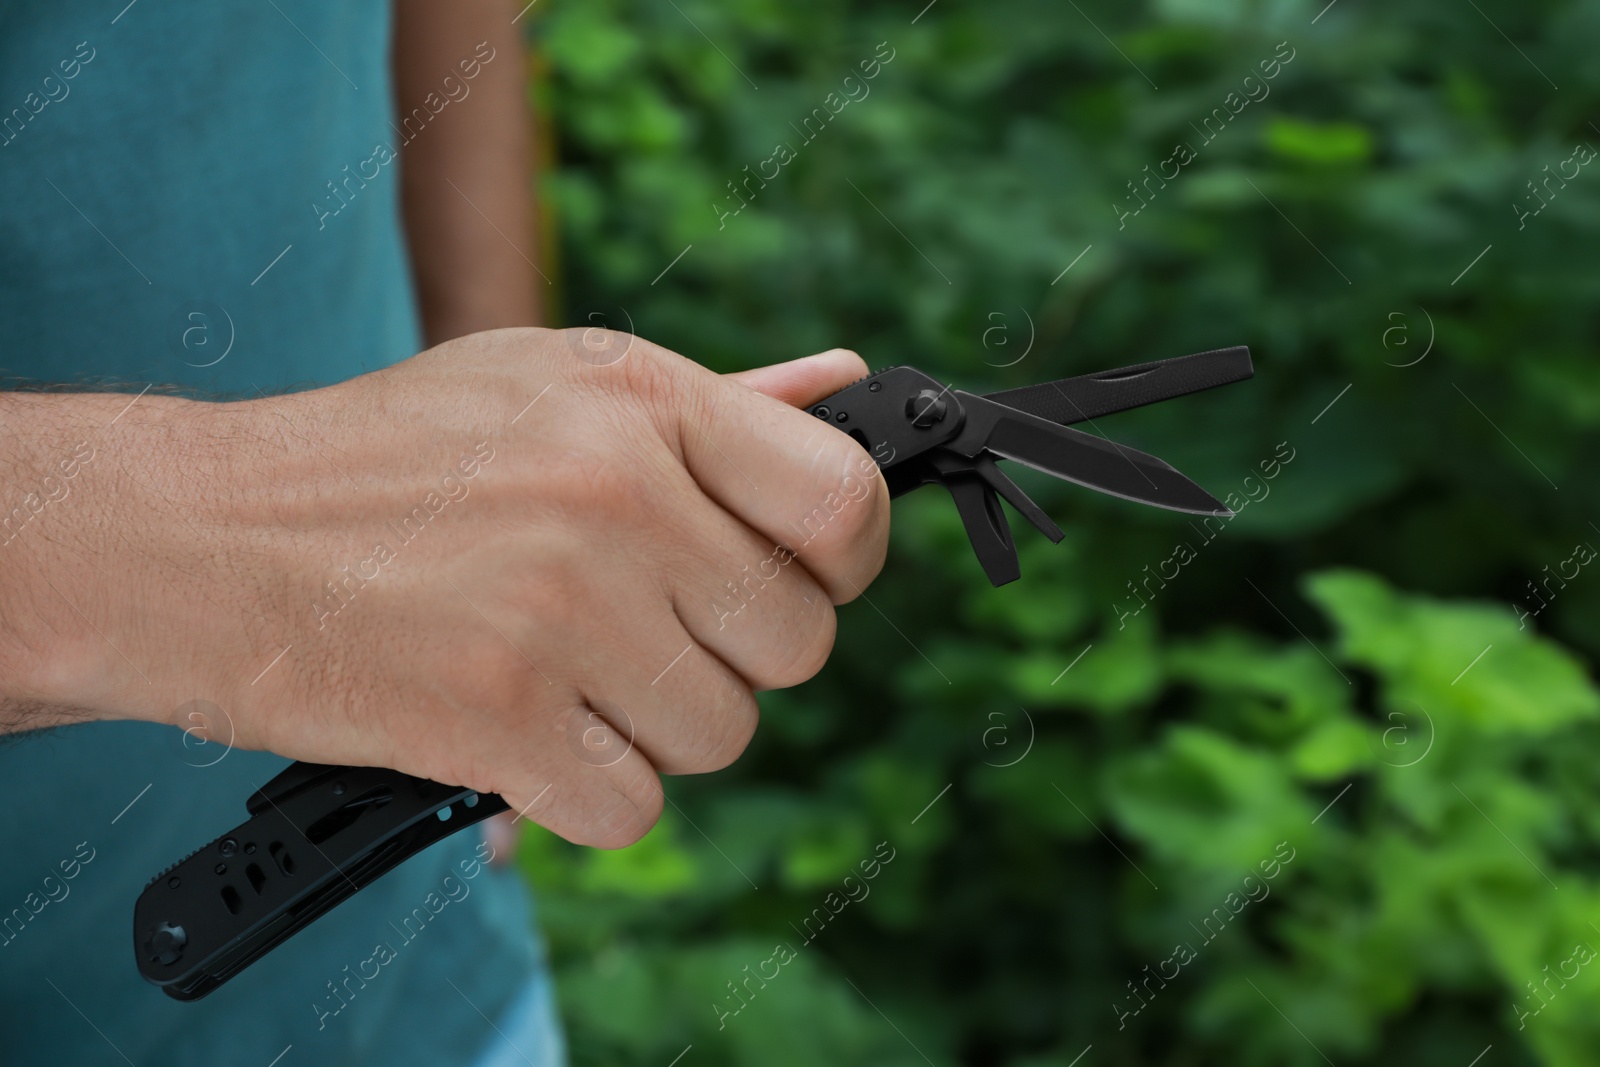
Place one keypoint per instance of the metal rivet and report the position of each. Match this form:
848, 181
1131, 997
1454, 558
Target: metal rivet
165, 944
874, 387
250, 846
222, 868
173, 882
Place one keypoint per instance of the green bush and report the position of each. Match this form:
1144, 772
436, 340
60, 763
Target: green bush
1339, 675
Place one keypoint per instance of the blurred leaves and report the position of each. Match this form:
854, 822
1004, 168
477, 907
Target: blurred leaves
1470, 662
1371, 667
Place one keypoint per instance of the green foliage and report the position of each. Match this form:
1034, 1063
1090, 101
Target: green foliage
1379, 667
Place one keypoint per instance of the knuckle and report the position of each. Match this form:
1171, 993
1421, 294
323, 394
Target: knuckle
622, 365
846, 530
597, 352
727, 726
489, 675
807, 643
860, 514
634, 813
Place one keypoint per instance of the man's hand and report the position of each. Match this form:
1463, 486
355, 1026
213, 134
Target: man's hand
548, 564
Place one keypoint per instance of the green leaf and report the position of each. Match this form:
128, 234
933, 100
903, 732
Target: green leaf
1467, 663
1197, 785
1321, 144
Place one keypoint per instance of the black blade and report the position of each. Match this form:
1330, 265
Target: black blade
1089, 396
1075, 456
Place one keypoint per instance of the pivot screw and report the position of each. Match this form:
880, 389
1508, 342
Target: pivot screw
228, 846
822, 411
926, 408
165, 944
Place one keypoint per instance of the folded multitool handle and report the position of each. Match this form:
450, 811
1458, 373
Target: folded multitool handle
316, 835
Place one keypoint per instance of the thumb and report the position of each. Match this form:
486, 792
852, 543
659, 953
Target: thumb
802, 382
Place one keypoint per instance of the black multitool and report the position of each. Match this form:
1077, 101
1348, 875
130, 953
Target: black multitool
316, 835
921, 433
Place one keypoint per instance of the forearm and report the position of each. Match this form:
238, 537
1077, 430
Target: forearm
467, 165
70, 516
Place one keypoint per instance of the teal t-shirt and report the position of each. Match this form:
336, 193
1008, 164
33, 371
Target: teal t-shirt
167, 171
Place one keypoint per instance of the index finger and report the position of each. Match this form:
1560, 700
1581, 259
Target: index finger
806, 485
